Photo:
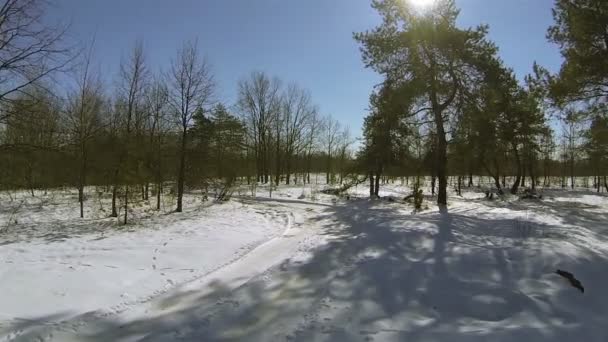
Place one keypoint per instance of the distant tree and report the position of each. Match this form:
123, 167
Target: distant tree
83, 119
227, 142
297, 112
157, 100
192, 87
572, 134
313, 130
331, 131
259, 101
133, 78
343, 152
386, 132
33, 140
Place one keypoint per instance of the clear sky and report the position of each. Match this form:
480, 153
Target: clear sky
305, 41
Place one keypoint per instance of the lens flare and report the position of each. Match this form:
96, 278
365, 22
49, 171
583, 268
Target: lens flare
421, 3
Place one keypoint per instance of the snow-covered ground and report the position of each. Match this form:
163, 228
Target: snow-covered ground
303, 266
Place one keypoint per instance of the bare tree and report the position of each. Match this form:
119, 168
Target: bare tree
259, 101
30, 50
157, 98
133, 76
571, 123
344, 142
331, 131
192, 88
312, 136
83, 118
297, 112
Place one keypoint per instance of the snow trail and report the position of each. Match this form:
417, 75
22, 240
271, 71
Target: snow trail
365, 270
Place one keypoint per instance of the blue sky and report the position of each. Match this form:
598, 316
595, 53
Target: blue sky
304, 41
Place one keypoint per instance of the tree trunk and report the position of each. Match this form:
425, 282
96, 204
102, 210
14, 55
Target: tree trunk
181, 173
470, 180
605, 183
327, 177
459, 185
126, 203
114, 211
81, 199
572, 173
515, 186
523, 175
532, 176
159, 190
371, 185
433, 180
277, 178
377, 186
82, 181
497, 183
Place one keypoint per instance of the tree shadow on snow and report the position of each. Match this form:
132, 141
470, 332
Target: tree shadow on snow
389, 276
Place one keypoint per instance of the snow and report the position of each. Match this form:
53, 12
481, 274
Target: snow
303, 266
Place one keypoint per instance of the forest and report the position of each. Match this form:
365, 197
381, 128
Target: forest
448, 108
147, 196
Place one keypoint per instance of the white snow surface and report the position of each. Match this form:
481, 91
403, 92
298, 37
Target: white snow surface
302, 266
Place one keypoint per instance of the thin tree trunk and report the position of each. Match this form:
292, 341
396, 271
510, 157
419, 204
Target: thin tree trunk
523, 175
532, 176
126, 203
371, 185
181, 172
114, 211
81, 200
572, 173
377, 185
327, 178
515, 186
159, 191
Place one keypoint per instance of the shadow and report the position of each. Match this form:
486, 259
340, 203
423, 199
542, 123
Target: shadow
383, 274
279, 200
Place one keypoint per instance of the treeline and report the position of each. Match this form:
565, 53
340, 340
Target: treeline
449, 106
148, 130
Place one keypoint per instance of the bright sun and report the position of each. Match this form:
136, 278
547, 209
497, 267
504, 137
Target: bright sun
421, 3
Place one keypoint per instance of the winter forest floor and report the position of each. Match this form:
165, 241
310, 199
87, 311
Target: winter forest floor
303, 266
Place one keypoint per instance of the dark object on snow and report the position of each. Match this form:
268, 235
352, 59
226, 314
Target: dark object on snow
531, 194
390, 199
573, 281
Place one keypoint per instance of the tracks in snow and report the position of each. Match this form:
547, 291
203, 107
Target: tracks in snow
252, 260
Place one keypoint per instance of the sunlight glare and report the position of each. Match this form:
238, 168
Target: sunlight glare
421, 3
